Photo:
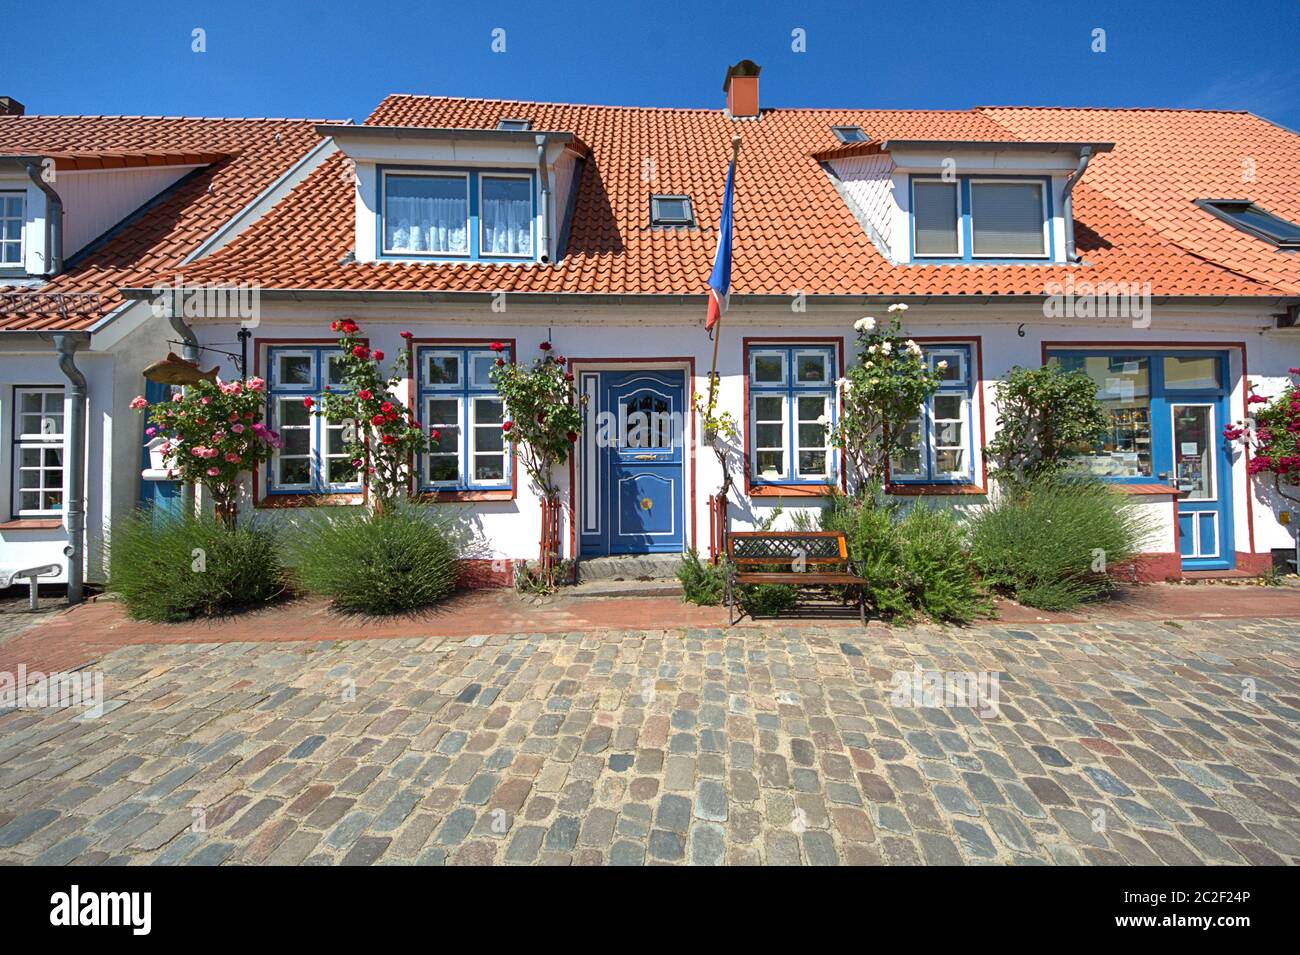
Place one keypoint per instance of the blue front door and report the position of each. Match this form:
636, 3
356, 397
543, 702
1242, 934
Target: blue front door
1201, 468
633, 462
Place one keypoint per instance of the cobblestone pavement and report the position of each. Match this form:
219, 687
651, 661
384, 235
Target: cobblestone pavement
1131, 742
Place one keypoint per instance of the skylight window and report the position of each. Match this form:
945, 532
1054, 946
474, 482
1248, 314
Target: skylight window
515, 125
671, 211
1251, 219
850, 134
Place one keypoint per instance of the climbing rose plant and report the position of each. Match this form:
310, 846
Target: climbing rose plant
379, 432
213, 434
1273, 437
880, 394
543, 413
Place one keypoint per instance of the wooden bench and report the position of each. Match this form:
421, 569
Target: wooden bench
806, 559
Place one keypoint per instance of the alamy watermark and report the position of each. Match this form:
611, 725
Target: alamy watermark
34, 690
1124, 300
243, 301
937, 689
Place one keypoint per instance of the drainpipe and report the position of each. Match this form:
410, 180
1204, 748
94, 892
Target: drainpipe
190, 352
75, 511
53, 220
545, 180
1067, 203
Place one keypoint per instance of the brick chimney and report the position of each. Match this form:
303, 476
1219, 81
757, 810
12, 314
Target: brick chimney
11, 107
741, 87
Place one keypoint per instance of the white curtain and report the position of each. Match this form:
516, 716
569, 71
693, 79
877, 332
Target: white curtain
507, 216
426, 215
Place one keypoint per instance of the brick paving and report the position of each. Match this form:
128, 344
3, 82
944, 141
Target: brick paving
1125, 742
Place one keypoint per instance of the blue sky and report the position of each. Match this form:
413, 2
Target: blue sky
331, 60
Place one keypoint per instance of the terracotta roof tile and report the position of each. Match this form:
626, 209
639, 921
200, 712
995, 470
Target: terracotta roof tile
793, 232
242, 158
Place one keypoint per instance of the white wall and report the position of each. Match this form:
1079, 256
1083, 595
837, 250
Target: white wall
96, 200
511, 529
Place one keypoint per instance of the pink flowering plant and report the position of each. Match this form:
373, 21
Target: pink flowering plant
1272, 436
379, 432
543, 413
213, 433
881, 393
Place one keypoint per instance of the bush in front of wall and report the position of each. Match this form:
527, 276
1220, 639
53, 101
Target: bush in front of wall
767, 600
1053, 545
169, 568
703, 583
396, 560
912, 558
1045, 416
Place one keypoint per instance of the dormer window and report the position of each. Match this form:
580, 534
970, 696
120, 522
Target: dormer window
987, 218
671, 211
1251, 219
471, 213
11, 229
850, 134
515, 125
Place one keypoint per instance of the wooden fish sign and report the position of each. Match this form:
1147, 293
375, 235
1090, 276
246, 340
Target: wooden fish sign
174, 370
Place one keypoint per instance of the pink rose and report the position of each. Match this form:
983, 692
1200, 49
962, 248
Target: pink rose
138, 402
232, 457
213, 472
256, 384
237, 428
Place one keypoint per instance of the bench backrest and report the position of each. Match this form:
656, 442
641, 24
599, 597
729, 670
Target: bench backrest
778, 547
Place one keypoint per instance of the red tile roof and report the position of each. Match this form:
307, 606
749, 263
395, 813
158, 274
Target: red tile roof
242, 158
793, 232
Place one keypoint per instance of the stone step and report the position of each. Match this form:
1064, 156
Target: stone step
625, 588
629, 567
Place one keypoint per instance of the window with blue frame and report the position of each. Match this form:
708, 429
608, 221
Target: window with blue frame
936, 446
471, 214
464, 413
1136, 389
985, 218
313, 459
791, 413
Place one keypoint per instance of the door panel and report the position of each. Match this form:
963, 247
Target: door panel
1198, 466
633, 460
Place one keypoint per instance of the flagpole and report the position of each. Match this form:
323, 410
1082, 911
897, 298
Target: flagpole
717, 332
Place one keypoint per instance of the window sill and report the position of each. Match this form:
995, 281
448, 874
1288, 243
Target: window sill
934, 490
440, 497
32, 524
1153, 490
791, 490
278, 501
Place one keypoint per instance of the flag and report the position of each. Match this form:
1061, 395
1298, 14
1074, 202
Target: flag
720, 280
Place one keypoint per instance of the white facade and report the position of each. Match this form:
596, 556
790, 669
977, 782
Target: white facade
624, 338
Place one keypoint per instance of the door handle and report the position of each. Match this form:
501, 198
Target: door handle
647, 457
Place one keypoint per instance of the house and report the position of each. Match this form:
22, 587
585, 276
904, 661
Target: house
1153, 249
89, 204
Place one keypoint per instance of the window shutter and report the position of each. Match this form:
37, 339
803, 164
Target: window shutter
1007, 218
935, 213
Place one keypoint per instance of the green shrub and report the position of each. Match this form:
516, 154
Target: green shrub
703, 583
767, 600
912, 559
937, 575
170, 567
1052, 545
393, 562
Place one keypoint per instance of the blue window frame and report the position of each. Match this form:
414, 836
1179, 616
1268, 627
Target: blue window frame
791, 413
937, 446
457, 214
976, 218
1136, 388
459, 402
313, 459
